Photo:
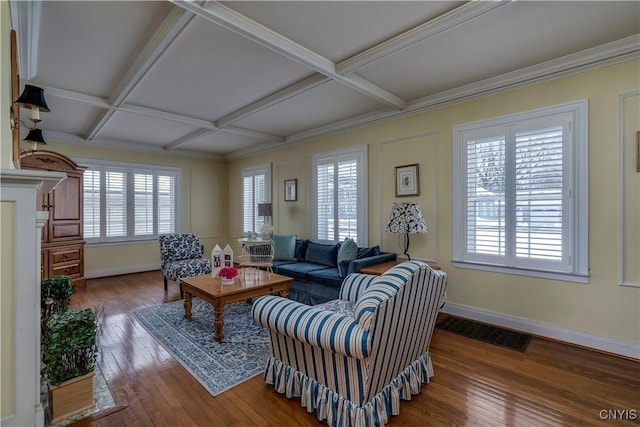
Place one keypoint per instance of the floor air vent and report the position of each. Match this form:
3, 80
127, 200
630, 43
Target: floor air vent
487, 333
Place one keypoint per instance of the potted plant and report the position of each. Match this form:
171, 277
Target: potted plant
55, 295
69, 357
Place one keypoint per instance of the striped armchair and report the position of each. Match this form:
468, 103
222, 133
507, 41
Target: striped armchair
351, 360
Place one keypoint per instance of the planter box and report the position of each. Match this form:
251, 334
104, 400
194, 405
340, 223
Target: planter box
71, 397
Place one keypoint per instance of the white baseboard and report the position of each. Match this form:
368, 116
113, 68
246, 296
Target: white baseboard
106, 272
586, 339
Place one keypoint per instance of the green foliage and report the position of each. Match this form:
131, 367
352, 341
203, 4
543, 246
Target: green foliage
55, 295
71, 348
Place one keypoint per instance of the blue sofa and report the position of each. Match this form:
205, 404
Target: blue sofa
313, 265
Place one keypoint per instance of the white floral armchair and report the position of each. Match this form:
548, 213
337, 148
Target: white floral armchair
351, 360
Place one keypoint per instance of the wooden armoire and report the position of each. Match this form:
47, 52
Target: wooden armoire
62, 236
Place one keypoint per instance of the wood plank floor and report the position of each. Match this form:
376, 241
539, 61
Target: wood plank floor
475, 383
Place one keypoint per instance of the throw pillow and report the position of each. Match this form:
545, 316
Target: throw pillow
322, 253
301, 249
347, 252
284, 247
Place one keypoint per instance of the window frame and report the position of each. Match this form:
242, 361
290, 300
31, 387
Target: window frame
131, 169
359, 153
574, 266
253, 171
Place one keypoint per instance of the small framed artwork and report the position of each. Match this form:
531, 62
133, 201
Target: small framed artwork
407, 181
290, 190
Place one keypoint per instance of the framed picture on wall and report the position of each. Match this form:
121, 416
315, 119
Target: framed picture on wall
290, 190
407, 181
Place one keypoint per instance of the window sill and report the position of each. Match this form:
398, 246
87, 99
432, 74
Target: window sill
122, 242
524, 272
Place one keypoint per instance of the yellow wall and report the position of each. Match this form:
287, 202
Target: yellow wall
7, 225
202, 206
7, 315
600, 307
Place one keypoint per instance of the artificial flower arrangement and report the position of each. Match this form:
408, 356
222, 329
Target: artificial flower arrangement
228, 272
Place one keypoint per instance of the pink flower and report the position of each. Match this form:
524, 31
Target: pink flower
228, 272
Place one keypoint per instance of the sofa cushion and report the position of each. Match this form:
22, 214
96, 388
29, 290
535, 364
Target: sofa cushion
284, 247
322, 253
347, 252
368, 252
299, 270
327, 276
301, 249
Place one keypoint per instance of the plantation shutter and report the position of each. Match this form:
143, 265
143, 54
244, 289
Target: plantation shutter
486, 221
116, 203
538, 192
515, 210
255, 189
325, 201
91, 197
166, 204
340, 195
143, 204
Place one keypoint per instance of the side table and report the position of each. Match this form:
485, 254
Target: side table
379, 269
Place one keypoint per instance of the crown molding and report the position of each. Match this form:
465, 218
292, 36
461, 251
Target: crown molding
25, 19
442, 23
608, 54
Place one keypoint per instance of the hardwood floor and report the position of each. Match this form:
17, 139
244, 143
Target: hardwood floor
474, 384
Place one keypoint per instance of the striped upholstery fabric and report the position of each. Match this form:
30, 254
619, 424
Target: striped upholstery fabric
353, 371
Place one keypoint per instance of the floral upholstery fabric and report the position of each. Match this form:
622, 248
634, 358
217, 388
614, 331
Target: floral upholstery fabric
181, 256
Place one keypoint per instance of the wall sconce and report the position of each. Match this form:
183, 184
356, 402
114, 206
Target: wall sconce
33, 98
35, 137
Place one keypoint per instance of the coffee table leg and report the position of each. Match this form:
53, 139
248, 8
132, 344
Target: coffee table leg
218, 321
285, 293
187, 305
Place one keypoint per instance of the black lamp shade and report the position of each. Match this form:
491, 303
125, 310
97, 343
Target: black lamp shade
33, 96
35, 135
264, 209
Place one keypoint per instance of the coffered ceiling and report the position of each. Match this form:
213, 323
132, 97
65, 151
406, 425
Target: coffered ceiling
226, 79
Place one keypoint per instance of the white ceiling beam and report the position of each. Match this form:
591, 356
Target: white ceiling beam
273, 99
254, 134
171, 28
258, 33
25, 19
75, 96
157, 114
68, 138
442, 23
187, 139
165, 115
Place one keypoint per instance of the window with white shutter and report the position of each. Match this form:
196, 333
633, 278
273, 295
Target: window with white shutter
340, 195
520, 193
125, 202
256, 188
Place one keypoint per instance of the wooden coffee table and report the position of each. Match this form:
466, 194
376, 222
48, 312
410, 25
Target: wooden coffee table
250, 283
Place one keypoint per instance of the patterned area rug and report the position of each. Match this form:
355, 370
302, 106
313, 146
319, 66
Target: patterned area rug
218, 366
